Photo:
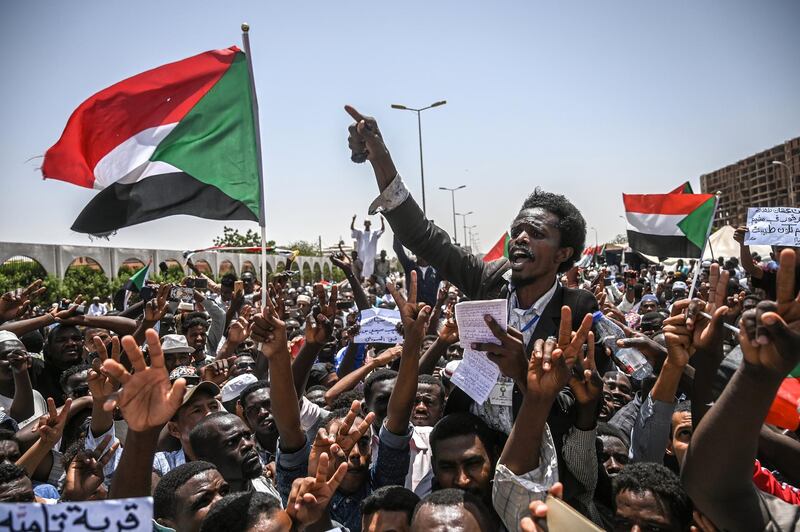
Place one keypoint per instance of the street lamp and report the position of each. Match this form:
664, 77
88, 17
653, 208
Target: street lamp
789, 178
464, 219
453, 196
472, 237
419, 127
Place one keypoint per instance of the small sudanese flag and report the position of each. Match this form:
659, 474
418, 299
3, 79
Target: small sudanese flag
669, 225
178, 139
499, 250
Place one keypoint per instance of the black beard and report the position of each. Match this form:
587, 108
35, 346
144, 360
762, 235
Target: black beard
519, 283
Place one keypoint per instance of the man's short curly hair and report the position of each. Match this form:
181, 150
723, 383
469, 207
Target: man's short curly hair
662, 483
571, 224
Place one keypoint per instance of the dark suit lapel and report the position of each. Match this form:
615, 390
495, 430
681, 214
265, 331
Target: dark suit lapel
550, 320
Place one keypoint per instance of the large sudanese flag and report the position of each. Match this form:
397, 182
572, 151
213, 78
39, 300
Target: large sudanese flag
669, 225
178, 139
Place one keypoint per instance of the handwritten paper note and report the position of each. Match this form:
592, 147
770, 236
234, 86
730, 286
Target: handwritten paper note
134, 515
476, 374
379, 326
773, 226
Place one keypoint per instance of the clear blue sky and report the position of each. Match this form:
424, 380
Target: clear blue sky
584, 98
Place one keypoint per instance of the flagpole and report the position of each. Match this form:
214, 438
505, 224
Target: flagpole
705, 243
262, 214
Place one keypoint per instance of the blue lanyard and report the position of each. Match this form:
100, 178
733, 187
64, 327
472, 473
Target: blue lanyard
531, 323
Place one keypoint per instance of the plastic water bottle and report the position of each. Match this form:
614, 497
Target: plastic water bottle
630, 359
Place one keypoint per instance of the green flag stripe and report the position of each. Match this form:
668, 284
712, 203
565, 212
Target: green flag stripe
695, 225
505, 245
138, 278
216, 141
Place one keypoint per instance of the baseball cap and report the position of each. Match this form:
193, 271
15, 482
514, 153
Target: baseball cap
234, 387
175, 343
194, 384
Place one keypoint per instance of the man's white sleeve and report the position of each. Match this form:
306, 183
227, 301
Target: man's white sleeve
512, 494
391, 197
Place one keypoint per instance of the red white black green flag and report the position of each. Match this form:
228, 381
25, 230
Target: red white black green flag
178, 139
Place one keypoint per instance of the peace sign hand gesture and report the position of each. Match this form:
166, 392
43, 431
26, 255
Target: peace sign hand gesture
310, 496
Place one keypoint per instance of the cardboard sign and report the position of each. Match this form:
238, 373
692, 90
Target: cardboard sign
135, 515
378, 326
773, 226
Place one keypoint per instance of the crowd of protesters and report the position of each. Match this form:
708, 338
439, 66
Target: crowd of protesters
238, 415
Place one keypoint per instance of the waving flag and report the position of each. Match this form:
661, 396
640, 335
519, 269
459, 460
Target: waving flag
178, 139
499, 250
669, 225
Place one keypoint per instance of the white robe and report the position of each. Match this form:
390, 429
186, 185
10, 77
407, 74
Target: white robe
367, 246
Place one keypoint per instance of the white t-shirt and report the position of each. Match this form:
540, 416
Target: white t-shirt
39, 407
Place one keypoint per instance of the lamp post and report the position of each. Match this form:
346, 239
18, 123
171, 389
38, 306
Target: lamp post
464, 220
419, 127
453, 196
472, 237
788, 178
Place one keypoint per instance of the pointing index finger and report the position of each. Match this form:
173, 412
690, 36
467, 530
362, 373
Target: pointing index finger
353, 113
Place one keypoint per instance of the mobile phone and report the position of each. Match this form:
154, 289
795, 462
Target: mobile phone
562, 516
181, 293
344, 304
238, 286
201, 282
147, 293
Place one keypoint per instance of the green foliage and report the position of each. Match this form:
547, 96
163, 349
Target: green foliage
233, 238
306, 248
19, 274
86, 281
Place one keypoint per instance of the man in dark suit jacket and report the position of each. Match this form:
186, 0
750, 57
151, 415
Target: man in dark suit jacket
547, 236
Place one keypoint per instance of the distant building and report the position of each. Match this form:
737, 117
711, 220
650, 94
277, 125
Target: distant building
757, 181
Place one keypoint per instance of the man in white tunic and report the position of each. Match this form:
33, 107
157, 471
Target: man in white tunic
366, 243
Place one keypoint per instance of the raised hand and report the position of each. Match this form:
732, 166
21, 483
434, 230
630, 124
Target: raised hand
365, 140
342, 261
388, 356
585, 381
12, 305
155, 309
441, 294
69, 316
101, 385
318, 331
770, 333
270, 330
409, 308
310, 496
218, 371
449, 332
51, 425
239, 330
327, 306
85, 473
548, 372
147, 400
569, 342
739, 234
679, 340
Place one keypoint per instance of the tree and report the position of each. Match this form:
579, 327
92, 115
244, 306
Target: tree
233, 238
87, 281
19, 274
620, 239
306, 248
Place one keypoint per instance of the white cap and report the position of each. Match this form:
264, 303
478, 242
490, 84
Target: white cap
8, 336
234, 387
